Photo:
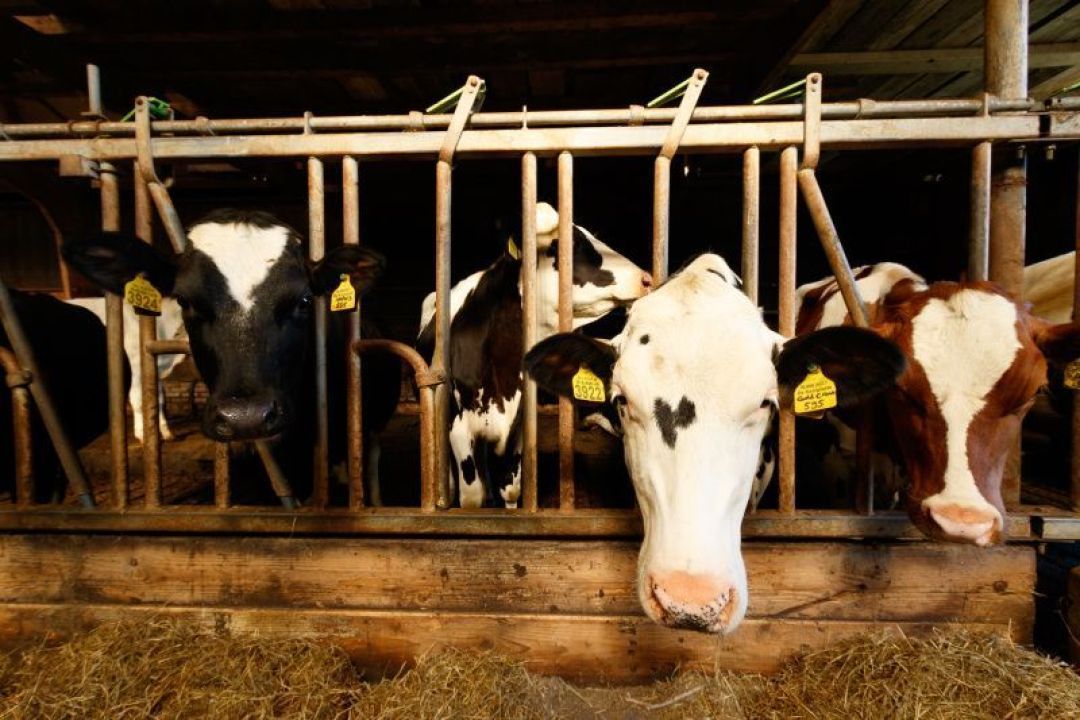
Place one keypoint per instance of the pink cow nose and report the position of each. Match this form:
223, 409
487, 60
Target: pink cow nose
646, 280
694, 602
978, 526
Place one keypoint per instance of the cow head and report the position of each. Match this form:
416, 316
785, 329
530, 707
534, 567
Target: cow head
695, 377
603, 279
975, 362
246, 289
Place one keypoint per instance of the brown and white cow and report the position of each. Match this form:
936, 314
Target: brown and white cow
695, 377
976, 360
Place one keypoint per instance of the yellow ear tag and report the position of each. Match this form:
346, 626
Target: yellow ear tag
587, 386
343, 298
142, 296
1072, 375
512, 248
815, 393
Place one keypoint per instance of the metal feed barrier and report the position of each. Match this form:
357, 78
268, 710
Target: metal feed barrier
96, 146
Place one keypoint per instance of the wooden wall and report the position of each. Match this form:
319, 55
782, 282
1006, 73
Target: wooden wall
566, 606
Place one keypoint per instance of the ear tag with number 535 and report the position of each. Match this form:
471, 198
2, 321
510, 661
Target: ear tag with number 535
815, 393
343, 298
141, 295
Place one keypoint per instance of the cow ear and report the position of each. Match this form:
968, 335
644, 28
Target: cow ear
363, 266
860, 362
554, 361
111, 260
1059, 343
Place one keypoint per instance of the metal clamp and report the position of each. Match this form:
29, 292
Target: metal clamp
691, 89
470, 95
416, 121
637, 116
812, 122
144, 160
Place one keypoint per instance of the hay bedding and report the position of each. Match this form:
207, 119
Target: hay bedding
164, 669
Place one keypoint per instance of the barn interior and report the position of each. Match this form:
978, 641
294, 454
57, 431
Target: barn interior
282, 58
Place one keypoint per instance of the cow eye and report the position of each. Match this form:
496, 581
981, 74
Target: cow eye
303, 304
619, 400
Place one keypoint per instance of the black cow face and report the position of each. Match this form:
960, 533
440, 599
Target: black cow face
247, 293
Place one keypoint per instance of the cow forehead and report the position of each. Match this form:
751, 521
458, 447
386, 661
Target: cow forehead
243, 253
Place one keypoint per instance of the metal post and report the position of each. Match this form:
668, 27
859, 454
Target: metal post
1006, 64
151, 450
145, 164
18, 380
277, 478
24, 354
566, 322
350, 198
114, 333
979, 244
221, 475
316, 250
94, 106
751, 231
789, 165
529, 500
1074, 484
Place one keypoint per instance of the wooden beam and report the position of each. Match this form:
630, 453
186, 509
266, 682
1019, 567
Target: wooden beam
823, 27
1049, 87
936, 60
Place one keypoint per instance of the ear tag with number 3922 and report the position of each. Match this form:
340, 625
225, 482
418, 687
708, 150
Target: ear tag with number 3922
815, 393
587, 386
343, 298
141, 295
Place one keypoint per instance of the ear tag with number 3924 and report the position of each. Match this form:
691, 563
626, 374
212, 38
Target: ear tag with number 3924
587, 386
343, 298
141, 295
816, 393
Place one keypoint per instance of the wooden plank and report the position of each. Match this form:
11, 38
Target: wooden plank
865, 25
583, 648
910, 18
1052, 85
828, 22
907, 582
937, 60
1065, 26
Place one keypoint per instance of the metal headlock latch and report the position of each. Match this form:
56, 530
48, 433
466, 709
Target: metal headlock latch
690, 90
465, 100
145, 162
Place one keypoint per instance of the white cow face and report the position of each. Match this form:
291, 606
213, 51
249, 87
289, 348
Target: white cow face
695, 377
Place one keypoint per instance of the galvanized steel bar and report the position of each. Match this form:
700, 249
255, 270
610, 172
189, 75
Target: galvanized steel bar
566, 323
350, 198
24, 353
18, 380
529, 495
94, 107
316, 250
789, 196
114, 342
151, 449
751, 222
979, 243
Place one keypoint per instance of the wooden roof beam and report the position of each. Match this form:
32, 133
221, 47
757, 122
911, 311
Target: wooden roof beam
827, 23
936, 60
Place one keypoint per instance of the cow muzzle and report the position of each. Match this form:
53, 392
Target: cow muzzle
243, 418
688, 601
974, 525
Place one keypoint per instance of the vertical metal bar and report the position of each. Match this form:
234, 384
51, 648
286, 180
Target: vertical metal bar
431, 484
350, 198
661, 218
278, 481
151, 449
221, 475
316, 250
24, 353
979, 246
17, 380
94, 106
1005, 65
440, 361
1074, 484
566, 322
751, 230
529, 500
114, 332
789, 165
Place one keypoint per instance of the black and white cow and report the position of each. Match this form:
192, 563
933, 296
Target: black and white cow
486, 349
69, 346
695, 377
246, 289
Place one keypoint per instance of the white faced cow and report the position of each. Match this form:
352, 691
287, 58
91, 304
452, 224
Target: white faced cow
695, 377
975, 360
246, 288
486, 349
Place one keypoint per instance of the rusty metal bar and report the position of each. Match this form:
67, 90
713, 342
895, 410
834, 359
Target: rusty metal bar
789, 195
277, 478
221, 475
1074, 478
151, 449
566, 323
751, 222
316, 250
812, 121
426, 380
979, 244
350, 198
145, 165
24, 353
448, 144
114, 334
529, 500
18, 380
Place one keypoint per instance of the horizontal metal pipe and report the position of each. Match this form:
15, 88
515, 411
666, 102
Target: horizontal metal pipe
714, 137
544, 118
